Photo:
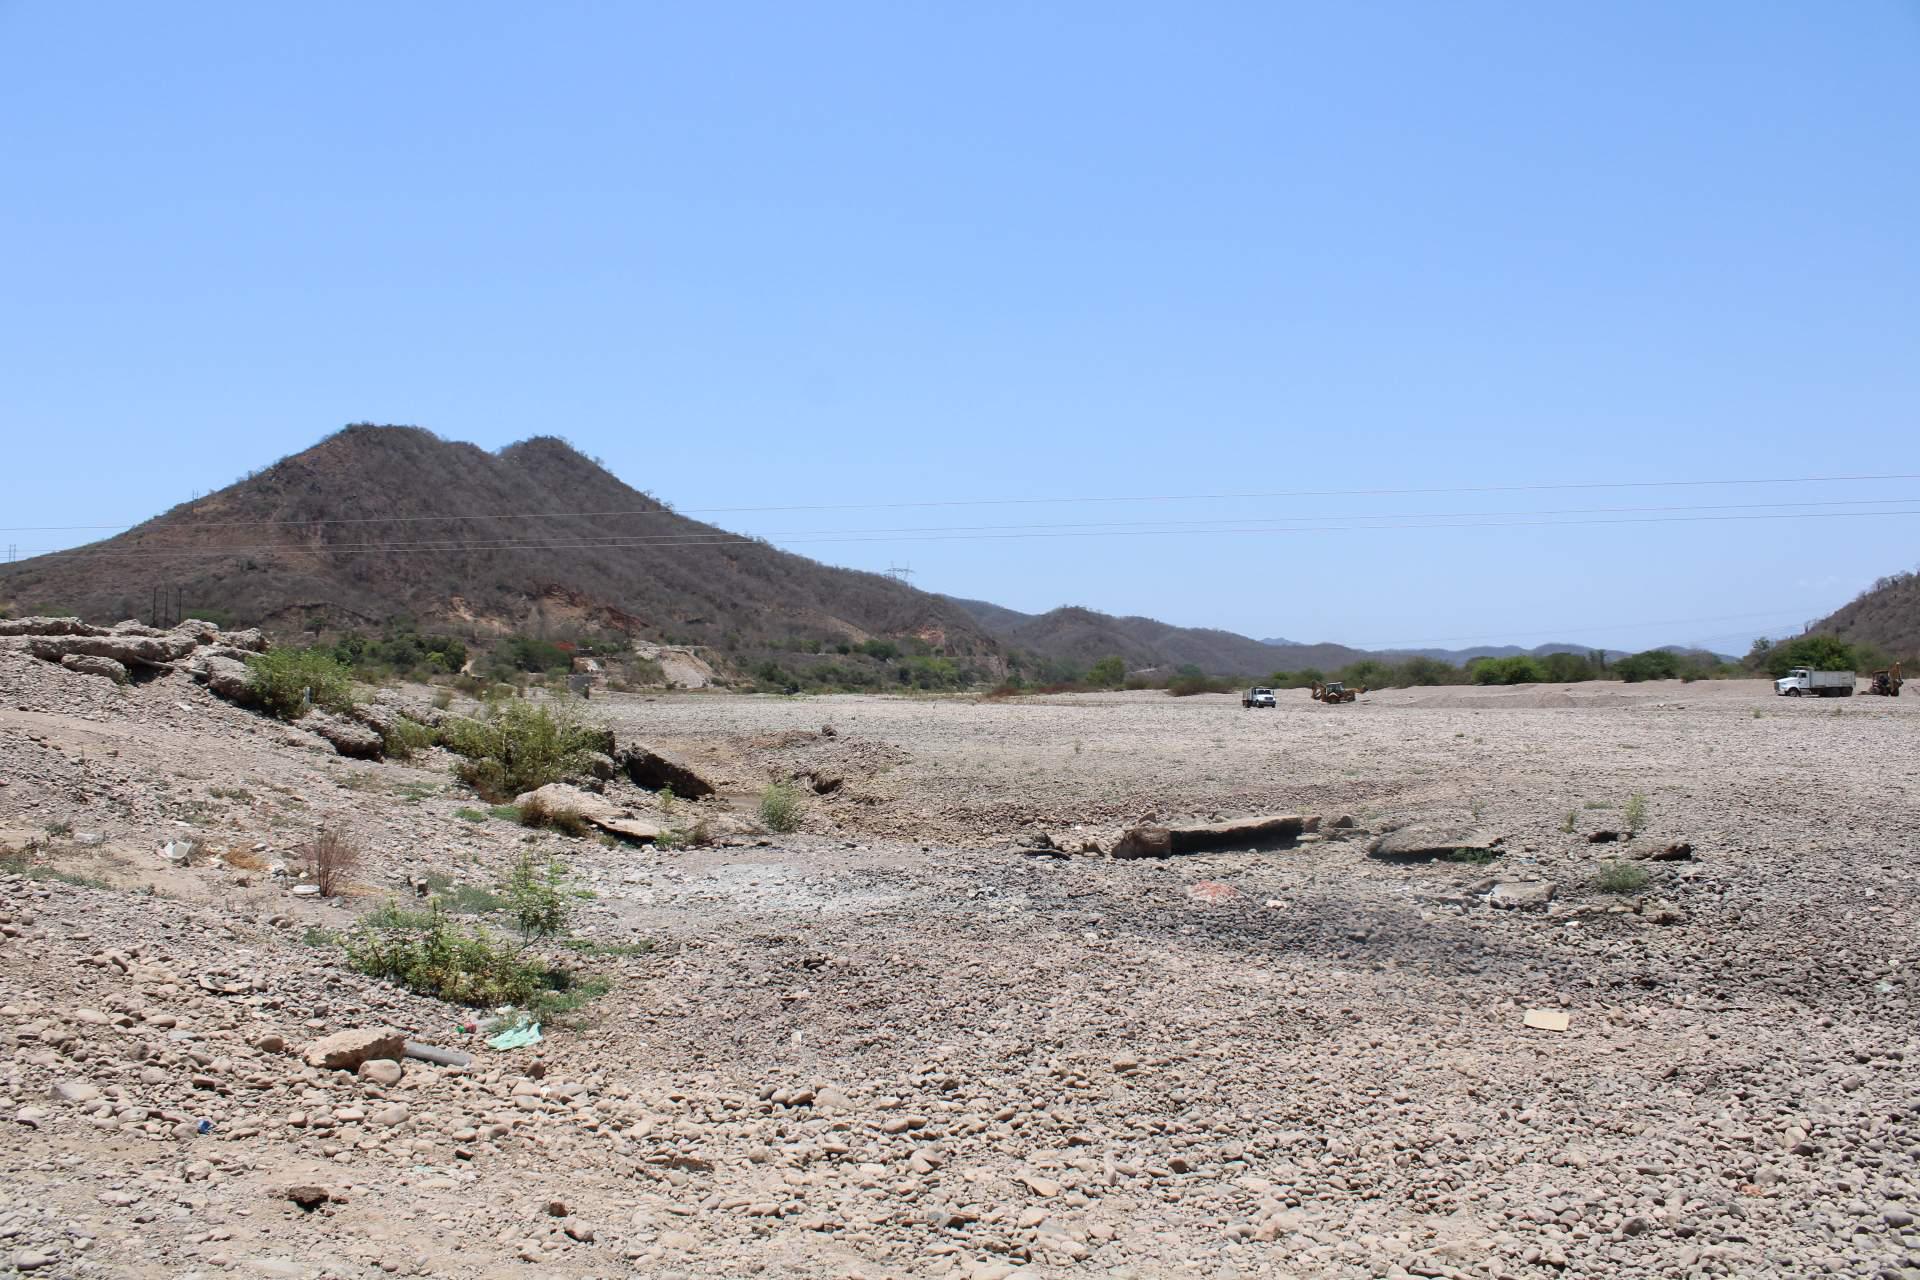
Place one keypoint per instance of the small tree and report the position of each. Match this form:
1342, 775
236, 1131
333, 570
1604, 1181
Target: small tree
1107, 673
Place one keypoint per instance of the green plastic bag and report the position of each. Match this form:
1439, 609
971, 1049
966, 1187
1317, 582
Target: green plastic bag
517, 1038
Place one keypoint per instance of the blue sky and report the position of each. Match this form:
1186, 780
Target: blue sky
844, 254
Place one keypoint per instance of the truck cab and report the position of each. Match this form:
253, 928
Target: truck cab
1258, 696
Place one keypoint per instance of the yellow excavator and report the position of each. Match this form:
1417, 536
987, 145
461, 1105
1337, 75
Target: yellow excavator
1885, 683
1334, 691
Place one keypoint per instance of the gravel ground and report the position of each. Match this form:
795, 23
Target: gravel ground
902, 1043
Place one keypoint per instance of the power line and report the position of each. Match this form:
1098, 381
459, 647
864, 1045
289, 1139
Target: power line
670, 542
662, 509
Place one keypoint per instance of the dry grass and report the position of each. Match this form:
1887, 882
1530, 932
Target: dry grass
244, 858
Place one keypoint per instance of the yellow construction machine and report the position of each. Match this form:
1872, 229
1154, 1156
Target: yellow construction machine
1886, 683
1334, 691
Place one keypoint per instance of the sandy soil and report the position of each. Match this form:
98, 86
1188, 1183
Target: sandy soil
897, 1043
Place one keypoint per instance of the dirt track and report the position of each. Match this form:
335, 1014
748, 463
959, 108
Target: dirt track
1062, 1067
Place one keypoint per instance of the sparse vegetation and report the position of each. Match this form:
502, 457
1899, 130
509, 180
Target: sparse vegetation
285, 683
780, 807
518, 746
1621, 877
468, 814
19, 862
1567, 823
428, 953
1107, 673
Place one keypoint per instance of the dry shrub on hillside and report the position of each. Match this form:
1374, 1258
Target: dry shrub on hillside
330, 858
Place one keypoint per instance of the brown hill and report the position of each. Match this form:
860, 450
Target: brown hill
536, 533
1082, 637
1886, 615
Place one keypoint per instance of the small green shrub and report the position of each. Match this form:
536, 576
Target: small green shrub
1471, 857
1107, 673
780, 807
1566, 823
1621, 877
519, 746
466, 814
504, 812
1636, 813
286, 682
537, 898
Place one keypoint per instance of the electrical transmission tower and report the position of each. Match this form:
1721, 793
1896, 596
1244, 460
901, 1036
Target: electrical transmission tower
900, 573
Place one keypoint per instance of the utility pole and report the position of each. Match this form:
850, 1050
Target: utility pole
900, 573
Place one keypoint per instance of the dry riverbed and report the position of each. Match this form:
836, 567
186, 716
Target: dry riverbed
906, 1041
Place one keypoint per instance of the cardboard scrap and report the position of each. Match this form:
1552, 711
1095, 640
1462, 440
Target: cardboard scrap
1549, 1019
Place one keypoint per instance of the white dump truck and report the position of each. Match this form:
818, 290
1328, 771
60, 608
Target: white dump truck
1802, 682
1258, 697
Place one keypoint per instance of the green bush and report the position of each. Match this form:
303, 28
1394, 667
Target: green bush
1519, 669
1652, 664
1817, 652
518, 746
1621, 877
1107, 673
780, 807
1367, 673
404, 737
286, 682
400, 651
428, 953
537, 898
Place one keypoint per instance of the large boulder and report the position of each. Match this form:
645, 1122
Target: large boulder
253, 640
348, 737
88, 665
569, 808
655, 770
346, 1050
564, 805
227, 677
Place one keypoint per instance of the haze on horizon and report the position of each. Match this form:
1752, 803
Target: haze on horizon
859, 256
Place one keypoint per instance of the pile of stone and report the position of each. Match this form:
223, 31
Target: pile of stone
133, 650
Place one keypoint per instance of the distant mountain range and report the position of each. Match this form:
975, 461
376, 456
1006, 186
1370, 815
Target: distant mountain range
1082, 636
374, 524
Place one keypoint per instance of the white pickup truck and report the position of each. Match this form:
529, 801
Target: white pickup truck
1258, 697
1801, 681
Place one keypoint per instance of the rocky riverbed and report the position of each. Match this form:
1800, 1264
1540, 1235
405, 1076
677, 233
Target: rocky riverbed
934, 1033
